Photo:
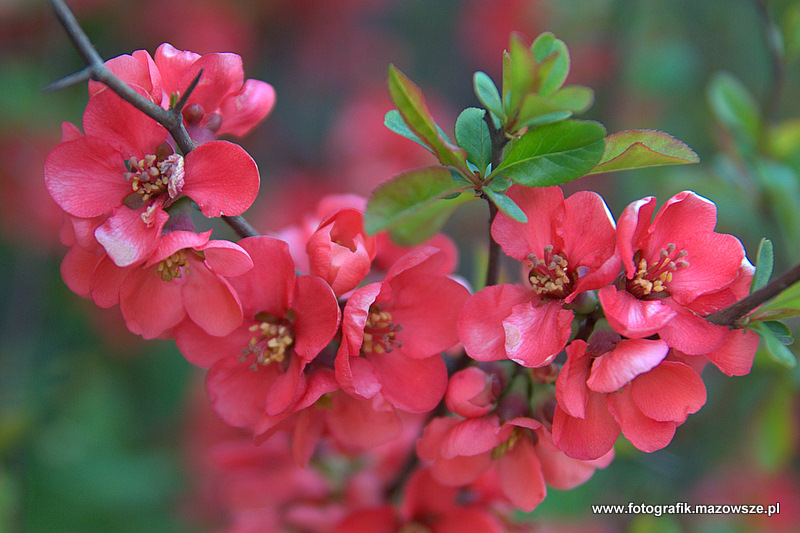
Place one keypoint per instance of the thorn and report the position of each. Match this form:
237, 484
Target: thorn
82, 76
188, 92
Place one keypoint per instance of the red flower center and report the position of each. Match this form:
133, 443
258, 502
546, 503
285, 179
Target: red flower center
651, 280
379, 332
272, 339
551, 277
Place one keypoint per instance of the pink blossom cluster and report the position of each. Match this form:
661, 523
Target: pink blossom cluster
323, 338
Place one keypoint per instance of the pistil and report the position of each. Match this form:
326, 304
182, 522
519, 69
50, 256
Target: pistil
270, 343
653, 279
551, 277
379, 332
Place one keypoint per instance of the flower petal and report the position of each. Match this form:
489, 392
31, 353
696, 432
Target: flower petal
587, 438
644, 433
539, 204
535, 335
210, 300
632, 317
630, 358
221, 177
669, 393
413, 385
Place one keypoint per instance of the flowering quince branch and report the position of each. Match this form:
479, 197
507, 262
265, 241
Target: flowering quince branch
335, 333
171, 118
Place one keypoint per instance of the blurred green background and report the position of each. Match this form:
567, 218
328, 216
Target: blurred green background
92, 419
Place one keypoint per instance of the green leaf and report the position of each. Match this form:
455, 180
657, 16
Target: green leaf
410, 103
643, 148
487, 93
394, 121
400, 198
776, 349
574, 97
553, 57
520, 79
779, 313
427, 221
764, 263
554, 153
506, 205
734, 106
472, 134
780, 330
538, 110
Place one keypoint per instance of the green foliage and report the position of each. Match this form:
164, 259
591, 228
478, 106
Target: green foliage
487, 93
776, 427
774, 337
472, 134
764, 263
506, 205
643, 148
410, 205
410, 103
735, 107
554, 153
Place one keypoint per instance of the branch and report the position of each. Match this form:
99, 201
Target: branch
171, 119
499, 141
733, 313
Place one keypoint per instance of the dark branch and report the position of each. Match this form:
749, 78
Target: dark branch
499, 141
82, 76
733, 313
96, 70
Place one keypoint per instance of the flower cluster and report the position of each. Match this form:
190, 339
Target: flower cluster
325, 339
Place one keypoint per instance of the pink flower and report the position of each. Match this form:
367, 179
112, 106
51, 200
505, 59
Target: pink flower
472, 392
527, 323
622, 384
265, 369
677, 270
393, 332
520, 452
340, 251
123, 170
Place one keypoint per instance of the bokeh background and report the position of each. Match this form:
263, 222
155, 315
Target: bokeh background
96, 426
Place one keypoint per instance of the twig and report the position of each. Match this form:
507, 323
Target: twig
734, 312
499, 141
171, 119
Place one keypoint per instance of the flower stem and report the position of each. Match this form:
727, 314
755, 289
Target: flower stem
171, 119
499, 141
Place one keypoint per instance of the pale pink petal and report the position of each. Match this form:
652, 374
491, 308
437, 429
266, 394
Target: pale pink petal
136, 69
470, 437
539, 204
535, 335
559, 470
630, 358
357, 376
175, 241
714, 263
358, 423
107, 280
77, 269
287, 389
172, 64
222, 75
221, 177
413, 385
632, 317
582, 210
480, 326
469, 393
686, 213
669, 393
112, 120
127, 238
644, 433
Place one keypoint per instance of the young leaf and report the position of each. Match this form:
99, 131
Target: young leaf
554, 153
401, 197
487, 94
780, 330
574, 97
472, 134
764, 263
522, 68
643, 148
774, 346
553, 57
410, 103
506, 205
394, 121
424, 223
734, 106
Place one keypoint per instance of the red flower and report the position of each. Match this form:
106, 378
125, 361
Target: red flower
400, 326
677, 270
265, 369
122, 169
622, 384
527, 323
340, 251
520, 452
